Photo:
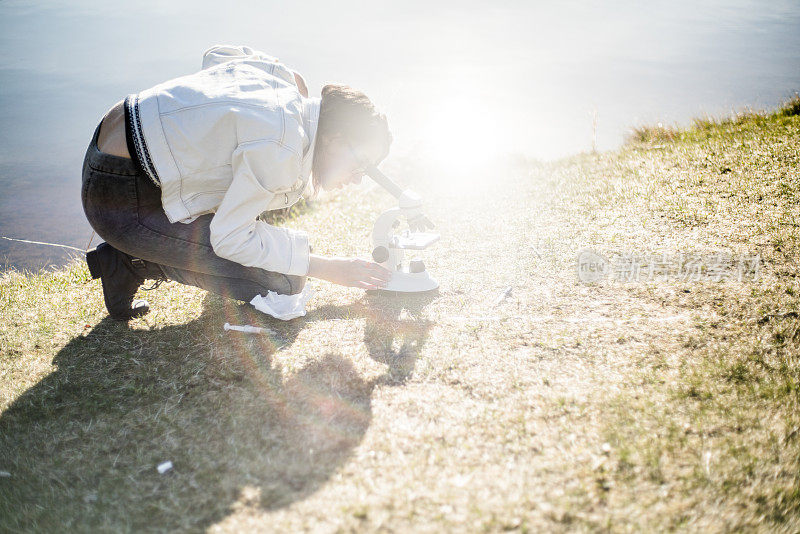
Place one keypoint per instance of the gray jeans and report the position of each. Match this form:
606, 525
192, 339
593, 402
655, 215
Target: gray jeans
124, 207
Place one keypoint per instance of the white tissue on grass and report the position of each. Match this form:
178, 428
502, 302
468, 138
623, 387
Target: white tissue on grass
284, 307
164, 467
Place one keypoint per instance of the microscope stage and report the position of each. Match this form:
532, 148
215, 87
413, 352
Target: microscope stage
415, 241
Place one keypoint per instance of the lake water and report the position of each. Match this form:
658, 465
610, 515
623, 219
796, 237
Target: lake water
459, 81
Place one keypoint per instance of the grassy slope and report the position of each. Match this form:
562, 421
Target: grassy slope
655, 404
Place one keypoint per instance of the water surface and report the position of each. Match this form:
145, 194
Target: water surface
459, 81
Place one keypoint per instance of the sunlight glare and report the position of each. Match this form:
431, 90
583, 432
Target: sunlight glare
463, 136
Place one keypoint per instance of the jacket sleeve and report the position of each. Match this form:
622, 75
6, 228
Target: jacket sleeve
236, 234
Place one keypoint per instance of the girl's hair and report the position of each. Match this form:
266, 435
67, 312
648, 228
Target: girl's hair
349, 113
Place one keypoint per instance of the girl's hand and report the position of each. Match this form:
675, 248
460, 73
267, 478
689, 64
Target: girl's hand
351, 272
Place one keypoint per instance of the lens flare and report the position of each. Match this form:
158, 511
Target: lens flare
463, 135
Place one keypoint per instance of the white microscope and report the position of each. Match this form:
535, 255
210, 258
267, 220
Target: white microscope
388, 247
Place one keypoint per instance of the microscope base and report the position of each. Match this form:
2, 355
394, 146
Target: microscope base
402, 282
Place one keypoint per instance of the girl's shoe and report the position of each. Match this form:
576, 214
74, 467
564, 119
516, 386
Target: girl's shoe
121, 277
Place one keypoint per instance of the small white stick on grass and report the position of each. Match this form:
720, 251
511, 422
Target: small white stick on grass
503, 296
164, 467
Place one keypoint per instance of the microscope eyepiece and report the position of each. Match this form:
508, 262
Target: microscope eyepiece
384, 181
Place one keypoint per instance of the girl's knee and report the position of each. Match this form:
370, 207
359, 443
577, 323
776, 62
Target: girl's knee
296, 283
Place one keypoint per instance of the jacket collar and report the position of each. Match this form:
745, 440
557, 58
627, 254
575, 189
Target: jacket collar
310, 121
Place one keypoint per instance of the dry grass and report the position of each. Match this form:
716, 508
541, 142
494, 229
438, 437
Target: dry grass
650, 405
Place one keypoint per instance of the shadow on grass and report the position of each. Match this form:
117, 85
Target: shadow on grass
393, 334
82, 445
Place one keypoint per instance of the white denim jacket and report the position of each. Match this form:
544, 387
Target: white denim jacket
234, 139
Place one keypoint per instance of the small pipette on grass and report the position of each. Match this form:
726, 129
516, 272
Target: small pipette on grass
248, 328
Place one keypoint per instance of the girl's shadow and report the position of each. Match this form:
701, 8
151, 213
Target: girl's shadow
82, 445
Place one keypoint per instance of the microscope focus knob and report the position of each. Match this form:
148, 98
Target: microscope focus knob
416, 266
380, 254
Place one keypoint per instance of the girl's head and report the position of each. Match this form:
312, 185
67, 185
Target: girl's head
351, 136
